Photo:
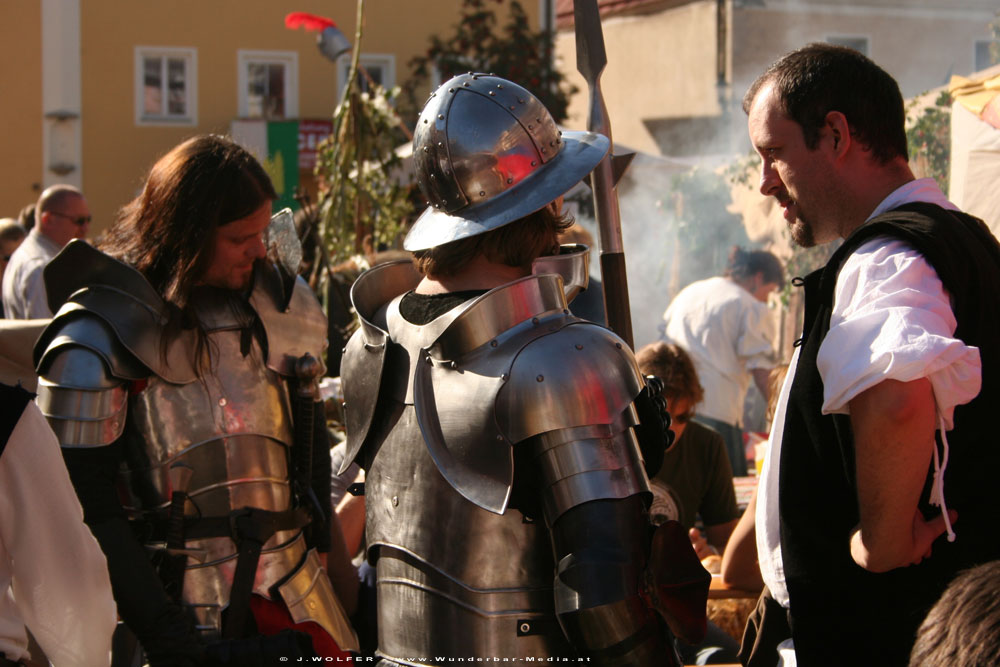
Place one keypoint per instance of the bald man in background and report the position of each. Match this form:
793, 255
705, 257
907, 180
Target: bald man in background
61, 215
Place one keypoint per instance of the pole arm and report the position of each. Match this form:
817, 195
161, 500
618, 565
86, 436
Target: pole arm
591, 59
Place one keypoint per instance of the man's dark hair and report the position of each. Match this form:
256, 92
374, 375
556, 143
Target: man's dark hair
515, 244
820, 78
167, 232
745, 264
963, 627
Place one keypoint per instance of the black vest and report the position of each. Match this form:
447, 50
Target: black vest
840, 613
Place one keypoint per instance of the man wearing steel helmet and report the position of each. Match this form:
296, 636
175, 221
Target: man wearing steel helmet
505, 490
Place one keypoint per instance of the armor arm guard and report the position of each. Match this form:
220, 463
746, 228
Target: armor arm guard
82, 386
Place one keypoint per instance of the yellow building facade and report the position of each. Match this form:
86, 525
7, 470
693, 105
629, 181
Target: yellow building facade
95, 91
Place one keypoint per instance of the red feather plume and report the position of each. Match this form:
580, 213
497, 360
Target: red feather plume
309, 21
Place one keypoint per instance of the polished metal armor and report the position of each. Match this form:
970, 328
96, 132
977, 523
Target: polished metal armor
486, 153
104, 372
437, 414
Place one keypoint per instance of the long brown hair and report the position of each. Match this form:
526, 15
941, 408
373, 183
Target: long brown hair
167, 232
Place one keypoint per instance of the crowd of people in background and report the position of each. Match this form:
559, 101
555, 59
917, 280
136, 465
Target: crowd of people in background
869, 532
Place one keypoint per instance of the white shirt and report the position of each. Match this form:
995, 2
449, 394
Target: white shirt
24, 296
727, 332
53, 574
891, 319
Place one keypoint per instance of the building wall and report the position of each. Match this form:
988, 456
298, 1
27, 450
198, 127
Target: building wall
659, 65
116, 152
21, 111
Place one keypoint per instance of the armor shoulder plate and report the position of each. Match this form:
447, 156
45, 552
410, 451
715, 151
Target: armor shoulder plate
364, 356
83, 279
579, 375
293, 331
82, 387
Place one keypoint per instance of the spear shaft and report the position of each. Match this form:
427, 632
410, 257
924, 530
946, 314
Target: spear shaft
591, 59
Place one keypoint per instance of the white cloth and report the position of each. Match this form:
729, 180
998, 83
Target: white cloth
727, 333
50, 562
24, 296
891, 319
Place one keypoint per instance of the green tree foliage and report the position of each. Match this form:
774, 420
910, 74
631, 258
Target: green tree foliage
512, 51
360, 195
928, 138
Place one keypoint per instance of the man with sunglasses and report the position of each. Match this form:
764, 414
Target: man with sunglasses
61, 215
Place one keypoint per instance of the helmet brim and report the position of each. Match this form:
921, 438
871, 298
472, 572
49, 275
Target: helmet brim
581, 152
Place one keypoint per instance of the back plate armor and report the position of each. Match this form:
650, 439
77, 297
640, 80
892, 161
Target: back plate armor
435, 412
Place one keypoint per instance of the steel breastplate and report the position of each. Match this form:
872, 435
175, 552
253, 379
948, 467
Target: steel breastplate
233, 428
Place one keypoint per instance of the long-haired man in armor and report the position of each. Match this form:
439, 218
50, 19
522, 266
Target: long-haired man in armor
506, 493
177, 375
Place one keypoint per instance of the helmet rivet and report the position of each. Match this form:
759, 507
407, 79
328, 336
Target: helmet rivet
475, 78
482, 193
530, 127
560, 133
579, 347
618, 345
520, 101
538, 120
440, 144
500, 85
493, 343
534, 320
504, 377
551, 143
425, 120
466, 84
543, 150
454, 365
509, 181
440, 116
533, 163
426, 149
451, 90
540, 378
492, 93
511, 107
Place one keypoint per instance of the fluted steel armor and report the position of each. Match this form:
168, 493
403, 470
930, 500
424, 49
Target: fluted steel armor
230, 428
435, 412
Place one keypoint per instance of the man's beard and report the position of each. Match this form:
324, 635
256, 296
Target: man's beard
802, 232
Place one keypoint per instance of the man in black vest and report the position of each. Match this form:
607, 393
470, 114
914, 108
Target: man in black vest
877, 488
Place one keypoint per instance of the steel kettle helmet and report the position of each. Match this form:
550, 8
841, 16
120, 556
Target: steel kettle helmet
486, 153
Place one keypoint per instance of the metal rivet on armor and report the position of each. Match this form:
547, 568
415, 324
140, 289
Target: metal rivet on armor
482, 193
579, 347
525, 627
500, 85
427, 149
475, 78
343, 350
533, 163
552, 143
538, 120
565, 311
520, 101
395, 501
534, 320
504, 376
222, 402
499, 438
466, 84
454, 365
511, 107
543, 150
540, 378
618, 345
492, 93
530, 126
509, 181
440, 144
440, 116
425, 120
451, 90
493, 343
560, 133
429, 360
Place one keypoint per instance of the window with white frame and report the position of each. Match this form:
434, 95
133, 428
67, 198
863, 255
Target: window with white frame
380, 69
166, 86
856, 42
986, 54
268, 84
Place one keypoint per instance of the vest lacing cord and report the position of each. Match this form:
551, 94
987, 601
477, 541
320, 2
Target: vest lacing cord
937, 485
